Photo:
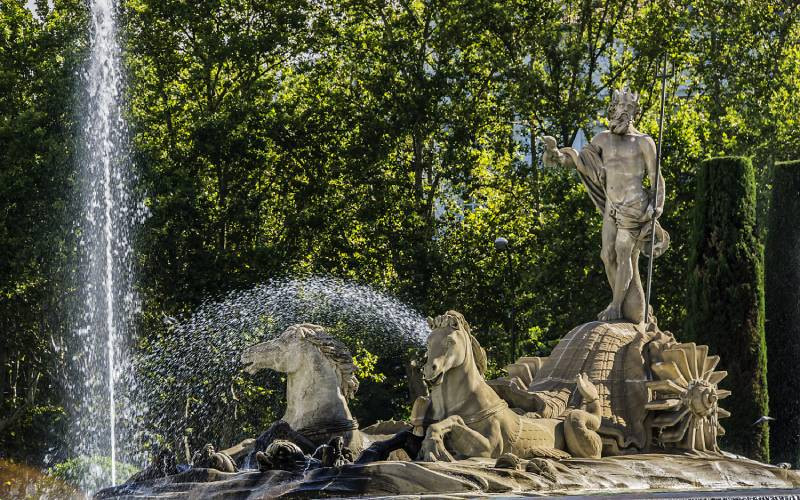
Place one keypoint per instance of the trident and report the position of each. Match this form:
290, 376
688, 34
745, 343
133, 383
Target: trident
663, 77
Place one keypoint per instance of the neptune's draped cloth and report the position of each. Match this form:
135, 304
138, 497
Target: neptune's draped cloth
629, 217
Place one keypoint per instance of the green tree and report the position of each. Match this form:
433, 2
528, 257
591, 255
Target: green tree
726, 295
782, 266
39, 58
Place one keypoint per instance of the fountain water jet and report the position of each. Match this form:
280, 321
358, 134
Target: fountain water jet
106, 300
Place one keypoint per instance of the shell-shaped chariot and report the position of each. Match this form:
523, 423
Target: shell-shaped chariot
655, 393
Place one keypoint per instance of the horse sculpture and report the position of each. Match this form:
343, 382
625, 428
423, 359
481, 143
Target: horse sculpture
320, 379
471, 420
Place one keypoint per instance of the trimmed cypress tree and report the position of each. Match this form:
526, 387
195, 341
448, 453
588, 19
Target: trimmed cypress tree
726, 296
782, 280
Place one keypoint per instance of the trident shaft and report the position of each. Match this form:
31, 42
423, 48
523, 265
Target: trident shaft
664, 77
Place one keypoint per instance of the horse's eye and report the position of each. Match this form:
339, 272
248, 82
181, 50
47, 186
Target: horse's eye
451, 340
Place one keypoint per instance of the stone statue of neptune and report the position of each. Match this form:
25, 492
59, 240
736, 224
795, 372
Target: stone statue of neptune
613, 168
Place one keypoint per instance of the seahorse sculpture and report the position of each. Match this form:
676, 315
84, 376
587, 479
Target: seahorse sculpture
477, 422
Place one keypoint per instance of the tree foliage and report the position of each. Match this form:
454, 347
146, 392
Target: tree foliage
38, 60
782, 274
384, 142
726, 295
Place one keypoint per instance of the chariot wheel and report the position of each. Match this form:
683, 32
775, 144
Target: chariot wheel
684, 399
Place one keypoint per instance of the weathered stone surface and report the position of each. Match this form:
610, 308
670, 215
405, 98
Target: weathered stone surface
598, 376
474, 476
611, 354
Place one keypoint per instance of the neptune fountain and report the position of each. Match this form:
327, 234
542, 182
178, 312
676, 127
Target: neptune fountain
614, 408
619, 405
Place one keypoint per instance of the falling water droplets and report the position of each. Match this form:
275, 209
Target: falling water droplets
105, 300
197, 359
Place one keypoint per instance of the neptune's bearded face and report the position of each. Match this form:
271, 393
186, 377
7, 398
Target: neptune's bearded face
621, 117
622, 111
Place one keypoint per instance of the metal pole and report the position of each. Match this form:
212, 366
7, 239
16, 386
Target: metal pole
655, 190
512, 312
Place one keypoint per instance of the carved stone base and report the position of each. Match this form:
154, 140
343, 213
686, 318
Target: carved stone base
623, 474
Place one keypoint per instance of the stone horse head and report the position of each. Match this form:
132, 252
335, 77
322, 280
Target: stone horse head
451, 345
304, 348
320, 378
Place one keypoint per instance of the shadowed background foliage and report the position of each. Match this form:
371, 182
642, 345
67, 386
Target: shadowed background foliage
783, 312
383, 142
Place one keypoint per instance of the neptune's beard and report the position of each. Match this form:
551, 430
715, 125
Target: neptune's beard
619, 124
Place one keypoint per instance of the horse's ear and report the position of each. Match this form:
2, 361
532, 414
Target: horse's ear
317, 328
430, 322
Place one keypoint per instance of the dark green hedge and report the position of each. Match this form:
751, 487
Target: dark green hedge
782, 280
726, 295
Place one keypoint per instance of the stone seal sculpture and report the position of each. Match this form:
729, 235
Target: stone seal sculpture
208, 458
613, 167
471, 420
334, 454
281, 455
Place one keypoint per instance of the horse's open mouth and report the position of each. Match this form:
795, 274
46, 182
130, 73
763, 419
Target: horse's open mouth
435, 380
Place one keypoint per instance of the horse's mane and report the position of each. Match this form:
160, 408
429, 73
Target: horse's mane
456, 321
335, 352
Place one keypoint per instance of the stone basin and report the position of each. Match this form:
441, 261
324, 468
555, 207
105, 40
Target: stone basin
632, 474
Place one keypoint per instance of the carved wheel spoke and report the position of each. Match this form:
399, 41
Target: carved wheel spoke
663, 404
685, 399
668, 373
666, 387
711, 363
715, 377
